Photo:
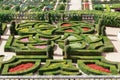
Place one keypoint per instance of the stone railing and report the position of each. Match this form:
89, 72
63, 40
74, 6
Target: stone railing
59, 77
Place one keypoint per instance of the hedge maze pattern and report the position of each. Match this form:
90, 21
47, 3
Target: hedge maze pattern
80, 41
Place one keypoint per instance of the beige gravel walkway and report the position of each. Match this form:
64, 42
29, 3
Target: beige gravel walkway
112, 34
8, 55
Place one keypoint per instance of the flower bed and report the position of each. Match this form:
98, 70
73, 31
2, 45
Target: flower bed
99, 68
69, 30
43, 39
66, 24
85, 29
21, 67
24, 40
40, 46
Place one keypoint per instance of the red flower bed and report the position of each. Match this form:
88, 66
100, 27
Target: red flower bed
86, 29
43, 39
41, 46
24, 40
97, 67
21, 67
66, 24
69, 30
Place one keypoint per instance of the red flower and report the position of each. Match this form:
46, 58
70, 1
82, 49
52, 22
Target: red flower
97, 67
21, 67
66, 25
86, 29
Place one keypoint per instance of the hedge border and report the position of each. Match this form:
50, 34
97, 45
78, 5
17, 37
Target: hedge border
6, 67
88, 70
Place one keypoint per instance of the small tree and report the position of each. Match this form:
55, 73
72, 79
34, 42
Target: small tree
64, 1
63, 17
50, 52
49, 18
12, 28
0, 28
62, 7
7, 7
17, 8
103, 28
43, 17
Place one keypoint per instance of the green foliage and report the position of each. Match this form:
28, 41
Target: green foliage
7, 66
12, 28
8, 44
67, 52
4, 27
50, 51
6, 16
61, 7
17, 8
56, 67
0, 28
82, 65
113, 6
108, 8
99, 7
7, 7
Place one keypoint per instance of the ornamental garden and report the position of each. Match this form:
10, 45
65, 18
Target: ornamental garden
80, 35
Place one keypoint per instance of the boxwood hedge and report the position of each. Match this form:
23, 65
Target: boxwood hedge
82, 65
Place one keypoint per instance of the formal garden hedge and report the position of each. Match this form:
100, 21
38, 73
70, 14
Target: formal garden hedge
28, 48
56, 67
101, 68
109, 19
3, 27
80, 41
12, 68
90, 65
41, 40
16, 65
89, 47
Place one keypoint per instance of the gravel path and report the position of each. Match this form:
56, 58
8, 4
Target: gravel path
8, 55
112, 34
75, 5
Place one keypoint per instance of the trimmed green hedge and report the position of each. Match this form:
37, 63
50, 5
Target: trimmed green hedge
6, 15
75, 58
82, 65
9, 43
56, 67
31, 70
89, 47
108, 46
4, 27
28, 48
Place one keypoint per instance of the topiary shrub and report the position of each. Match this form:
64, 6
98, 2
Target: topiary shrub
67, 52
50, 52
0, 29
12, 28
